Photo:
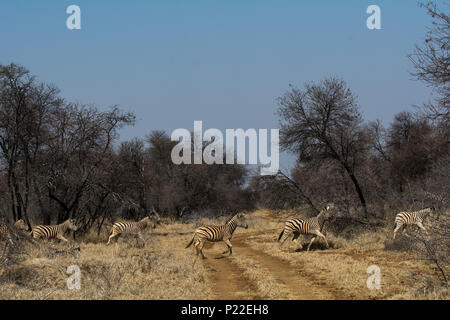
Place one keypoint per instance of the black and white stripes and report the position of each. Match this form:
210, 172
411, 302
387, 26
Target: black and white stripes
136, 228
405, 218
311, 226
54, 231
217, 233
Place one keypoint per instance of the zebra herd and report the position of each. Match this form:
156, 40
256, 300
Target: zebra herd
49, 232
294, 226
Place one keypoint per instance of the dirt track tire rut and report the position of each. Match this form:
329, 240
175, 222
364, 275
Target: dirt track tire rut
229, 282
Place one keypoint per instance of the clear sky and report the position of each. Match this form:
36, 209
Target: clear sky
224, 62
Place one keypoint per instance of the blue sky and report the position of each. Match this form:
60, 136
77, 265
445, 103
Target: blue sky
223, 62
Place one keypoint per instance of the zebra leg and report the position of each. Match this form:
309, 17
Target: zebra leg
310, 243
320, 234
116, 237
196, 251
396, 229
286, 235
317, 233
197, 242
198, 245
404, 230
62, 238
141, 236
420, 225
112, 236
299, 244
295, 238
200, 248
228, 243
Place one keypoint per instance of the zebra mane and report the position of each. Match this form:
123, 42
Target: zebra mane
231, 218
427, 210
322, 212
321, 219
65, 223
146, 220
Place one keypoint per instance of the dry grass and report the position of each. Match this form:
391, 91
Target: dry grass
266, 283
344, 265
163, 269
160, 270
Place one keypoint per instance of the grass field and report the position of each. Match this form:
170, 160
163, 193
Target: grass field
258, 268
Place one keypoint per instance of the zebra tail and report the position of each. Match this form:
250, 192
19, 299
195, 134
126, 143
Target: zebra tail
281, 234
190, 243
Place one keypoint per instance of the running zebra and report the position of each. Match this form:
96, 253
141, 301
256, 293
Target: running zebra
136, 228
217, 233
311, 226
405, 218
4, 232
54, 231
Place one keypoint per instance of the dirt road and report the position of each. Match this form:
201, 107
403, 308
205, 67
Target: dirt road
229, 281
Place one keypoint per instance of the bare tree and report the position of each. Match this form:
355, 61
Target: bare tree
323, 122
78, 150
431, 61
25, 105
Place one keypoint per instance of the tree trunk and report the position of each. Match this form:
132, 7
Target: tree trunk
13, 198
358, 190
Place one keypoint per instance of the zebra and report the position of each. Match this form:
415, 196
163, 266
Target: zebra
217, 233
136, 228
308, 226
4, 232
54, 231
402, 219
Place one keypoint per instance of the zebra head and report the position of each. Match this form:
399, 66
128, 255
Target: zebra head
21, 225
327, 211
156, 217
241, 221
150, 222
431, 211
71, 225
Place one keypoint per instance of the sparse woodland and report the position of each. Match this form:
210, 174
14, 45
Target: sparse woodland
62, 160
